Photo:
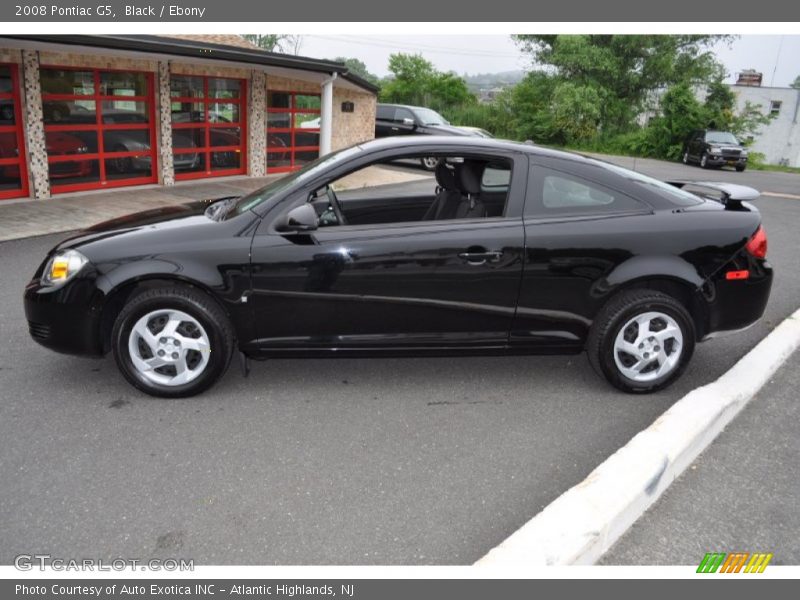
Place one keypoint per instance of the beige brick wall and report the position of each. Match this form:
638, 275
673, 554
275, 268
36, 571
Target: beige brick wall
357, 126
10, 55
179, 68
95, 61
275, 83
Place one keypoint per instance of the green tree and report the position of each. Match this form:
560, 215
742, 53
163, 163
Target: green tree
359, 68
796, 83
414, 80
623, 69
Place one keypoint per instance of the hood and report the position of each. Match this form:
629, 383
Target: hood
155, 219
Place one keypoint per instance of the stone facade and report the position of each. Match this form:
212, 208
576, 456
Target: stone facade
34, 126
257, 125
167, 176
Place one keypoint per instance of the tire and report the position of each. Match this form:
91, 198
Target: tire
614, 322
686, 157
429, 163
704, 161
203, 327
740, 168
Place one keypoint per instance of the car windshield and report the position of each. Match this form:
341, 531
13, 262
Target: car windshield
721, 137
309, 171
670, 192
427, 116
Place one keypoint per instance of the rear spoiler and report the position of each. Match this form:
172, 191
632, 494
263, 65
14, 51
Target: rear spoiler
729, 193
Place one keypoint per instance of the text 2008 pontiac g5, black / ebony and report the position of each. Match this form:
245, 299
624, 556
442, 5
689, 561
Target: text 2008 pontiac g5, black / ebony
512, 249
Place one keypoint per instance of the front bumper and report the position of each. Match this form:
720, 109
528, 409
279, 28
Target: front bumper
717, 160
66, 318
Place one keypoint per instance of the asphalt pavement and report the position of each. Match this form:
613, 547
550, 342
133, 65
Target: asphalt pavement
346, 461
740, 495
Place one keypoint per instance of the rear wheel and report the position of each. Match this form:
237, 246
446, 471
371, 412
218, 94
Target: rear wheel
641, 341
172, 342
429, 162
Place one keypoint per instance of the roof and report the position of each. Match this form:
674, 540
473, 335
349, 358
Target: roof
448, 141
223, 39
191, 47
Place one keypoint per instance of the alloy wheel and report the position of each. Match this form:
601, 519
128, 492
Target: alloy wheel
648, 346
169, 347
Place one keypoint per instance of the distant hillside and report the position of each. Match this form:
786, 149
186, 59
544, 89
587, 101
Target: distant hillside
490, 80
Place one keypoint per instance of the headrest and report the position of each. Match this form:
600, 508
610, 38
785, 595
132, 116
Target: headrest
445, 176
468, 176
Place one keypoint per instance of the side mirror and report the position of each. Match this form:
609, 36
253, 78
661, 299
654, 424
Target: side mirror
409, 121
301, 219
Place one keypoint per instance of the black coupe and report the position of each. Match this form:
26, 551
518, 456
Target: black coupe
510, 249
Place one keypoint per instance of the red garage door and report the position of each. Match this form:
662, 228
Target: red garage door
208, 126
13, 172
293, 120
99, 128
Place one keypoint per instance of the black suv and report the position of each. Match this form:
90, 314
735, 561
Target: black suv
711, 148
400, 119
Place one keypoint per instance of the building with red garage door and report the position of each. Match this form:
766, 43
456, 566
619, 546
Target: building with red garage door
88, 112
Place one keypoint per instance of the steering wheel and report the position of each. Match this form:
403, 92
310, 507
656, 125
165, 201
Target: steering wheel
337, 210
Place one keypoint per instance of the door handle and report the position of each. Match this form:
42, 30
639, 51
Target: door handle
480, 257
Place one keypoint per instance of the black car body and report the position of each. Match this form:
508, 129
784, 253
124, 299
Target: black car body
710, 148
517, 249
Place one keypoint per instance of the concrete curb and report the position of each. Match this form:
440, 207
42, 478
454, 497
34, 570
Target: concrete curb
585, 521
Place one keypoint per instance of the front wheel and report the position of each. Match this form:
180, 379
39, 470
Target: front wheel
685, 158
704, 161
172, 342
740, 168
641, 341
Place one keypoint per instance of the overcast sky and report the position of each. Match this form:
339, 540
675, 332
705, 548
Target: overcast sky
493, 53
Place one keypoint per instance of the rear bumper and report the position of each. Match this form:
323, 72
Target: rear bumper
737, 304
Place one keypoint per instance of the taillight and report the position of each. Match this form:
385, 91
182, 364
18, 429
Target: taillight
757, 244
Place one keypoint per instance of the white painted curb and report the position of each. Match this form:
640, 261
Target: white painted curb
584, 522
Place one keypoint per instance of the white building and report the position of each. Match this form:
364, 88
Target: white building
779, 140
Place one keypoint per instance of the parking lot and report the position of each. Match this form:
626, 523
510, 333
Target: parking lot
348, 461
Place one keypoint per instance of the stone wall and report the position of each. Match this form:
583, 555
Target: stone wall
38, 174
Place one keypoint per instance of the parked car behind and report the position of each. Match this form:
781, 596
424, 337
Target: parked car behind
401, 119
710, 148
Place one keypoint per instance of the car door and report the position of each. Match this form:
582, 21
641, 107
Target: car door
384, 120
427, 284
578, 229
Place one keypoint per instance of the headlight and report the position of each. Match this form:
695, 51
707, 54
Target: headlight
62, 266
82, 149
715, 150
743, 153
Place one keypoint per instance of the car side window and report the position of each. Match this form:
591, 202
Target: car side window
556, 193
385, 113
402, 113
